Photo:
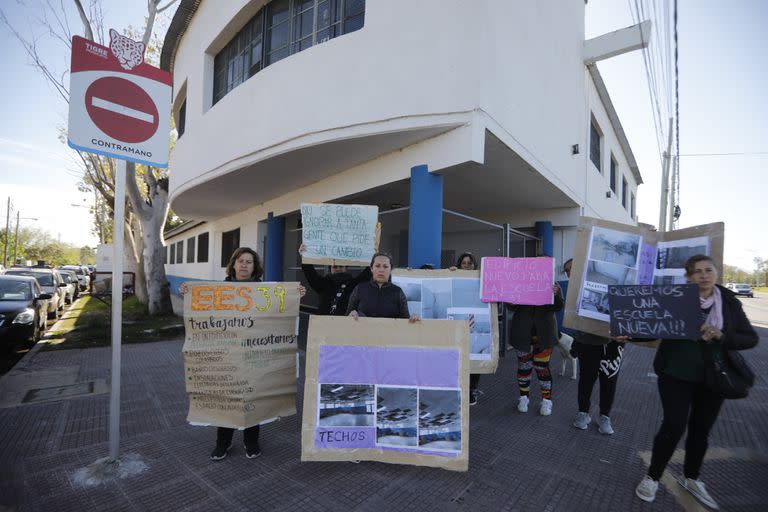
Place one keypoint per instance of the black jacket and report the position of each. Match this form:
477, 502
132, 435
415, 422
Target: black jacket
541, 317
329, 285
385, 301
685, 360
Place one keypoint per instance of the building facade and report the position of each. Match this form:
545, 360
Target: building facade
474, 126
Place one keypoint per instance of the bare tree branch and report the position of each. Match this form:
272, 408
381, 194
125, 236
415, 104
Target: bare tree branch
161, 9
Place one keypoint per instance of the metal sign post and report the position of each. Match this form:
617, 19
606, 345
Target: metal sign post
117, 310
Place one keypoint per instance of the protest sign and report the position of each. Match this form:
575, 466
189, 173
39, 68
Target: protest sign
522, 281
655, 311
613, 254
387, 390
339, 234
455, 295
240, 352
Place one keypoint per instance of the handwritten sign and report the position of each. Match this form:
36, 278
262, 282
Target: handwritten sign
240, 352
339, 233
525, 281
651, 312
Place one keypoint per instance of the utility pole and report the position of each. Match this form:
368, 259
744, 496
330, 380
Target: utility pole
673, 193
16, 238
665, 182
7, 232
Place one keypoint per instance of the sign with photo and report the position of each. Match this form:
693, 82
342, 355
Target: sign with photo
648, 311
521, 281
455, 295
611, 254
387, 390
339, 234
240, 352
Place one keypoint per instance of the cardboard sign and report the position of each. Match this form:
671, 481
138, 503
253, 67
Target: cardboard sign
387, 390
655, 311
455, 295
612, 254
523, 281
240, 352
346, 234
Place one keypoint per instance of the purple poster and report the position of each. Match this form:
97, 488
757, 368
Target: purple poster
525, 281
646, 264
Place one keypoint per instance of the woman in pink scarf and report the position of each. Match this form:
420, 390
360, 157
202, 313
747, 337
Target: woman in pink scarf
685, 398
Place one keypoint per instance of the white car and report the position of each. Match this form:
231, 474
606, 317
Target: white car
73, 285
741, 289
82, 275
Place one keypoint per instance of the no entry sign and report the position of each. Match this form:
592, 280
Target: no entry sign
119, 105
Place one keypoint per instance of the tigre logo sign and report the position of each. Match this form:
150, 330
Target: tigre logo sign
130, 53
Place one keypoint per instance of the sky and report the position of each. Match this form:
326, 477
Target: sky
723, 120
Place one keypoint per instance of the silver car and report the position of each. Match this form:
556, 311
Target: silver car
83, 277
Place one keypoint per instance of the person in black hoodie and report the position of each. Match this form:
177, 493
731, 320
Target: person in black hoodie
686, 400
379, 298
335, 287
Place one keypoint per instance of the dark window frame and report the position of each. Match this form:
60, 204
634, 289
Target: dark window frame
191, 249
230, 240
624, 186
172, 259
203, 240
180, 251
614, 168
182, 120
237, 61
595, 145
632, 204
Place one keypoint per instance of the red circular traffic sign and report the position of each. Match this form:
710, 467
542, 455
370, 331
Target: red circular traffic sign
121, 109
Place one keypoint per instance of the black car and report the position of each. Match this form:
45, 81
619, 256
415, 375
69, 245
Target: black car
23, 308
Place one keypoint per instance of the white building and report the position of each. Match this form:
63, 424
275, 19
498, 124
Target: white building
288, 101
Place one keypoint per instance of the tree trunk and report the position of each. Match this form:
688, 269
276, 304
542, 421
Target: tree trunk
157, 285
137, 253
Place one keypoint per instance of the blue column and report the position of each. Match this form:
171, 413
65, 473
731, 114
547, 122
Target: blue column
425, 218
275, 248
546, 232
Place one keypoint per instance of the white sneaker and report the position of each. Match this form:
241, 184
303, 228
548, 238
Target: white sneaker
582, 420
604, 425
522, 404
646, 489
546, 407
699, 491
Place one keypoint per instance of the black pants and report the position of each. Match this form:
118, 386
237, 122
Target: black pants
684, 403
474, 381
224, 436
603, 361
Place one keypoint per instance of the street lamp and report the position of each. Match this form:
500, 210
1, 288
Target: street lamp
16, 236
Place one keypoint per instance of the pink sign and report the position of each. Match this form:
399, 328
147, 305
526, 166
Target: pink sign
526, 281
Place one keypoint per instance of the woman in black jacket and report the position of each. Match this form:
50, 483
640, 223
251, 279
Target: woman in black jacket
685, 398
533, 333
334, 288
379, 298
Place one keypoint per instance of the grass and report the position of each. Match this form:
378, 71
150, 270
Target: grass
88, 324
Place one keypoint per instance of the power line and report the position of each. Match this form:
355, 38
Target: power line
745, 153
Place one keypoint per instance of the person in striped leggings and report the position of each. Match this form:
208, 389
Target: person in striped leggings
533, 333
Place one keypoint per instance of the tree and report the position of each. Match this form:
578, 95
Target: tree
147, 189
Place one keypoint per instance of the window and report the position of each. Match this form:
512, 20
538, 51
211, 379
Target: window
180, 251
624, 192
172, 260
191, 250
165, 255
594, 144
613, 174
182, 118
230, 241
202, 248
280, 29
632, 205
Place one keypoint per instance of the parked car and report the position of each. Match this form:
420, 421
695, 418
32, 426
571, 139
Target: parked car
83, 276
741, 289
73, 285
51, 283
23, 308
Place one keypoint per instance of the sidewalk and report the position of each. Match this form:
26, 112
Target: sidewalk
517, 461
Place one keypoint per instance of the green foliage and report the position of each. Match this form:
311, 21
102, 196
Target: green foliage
35, 244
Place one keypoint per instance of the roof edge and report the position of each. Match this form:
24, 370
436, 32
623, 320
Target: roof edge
178, 27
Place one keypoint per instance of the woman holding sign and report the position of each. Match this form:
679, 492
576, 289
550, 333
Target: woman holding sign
335, 287
467, 261
686, 400
379, 298
243, 265
533, 333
